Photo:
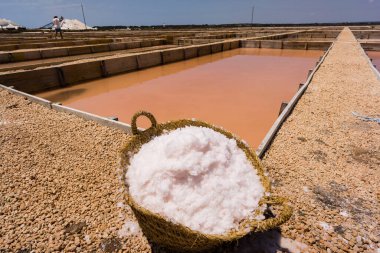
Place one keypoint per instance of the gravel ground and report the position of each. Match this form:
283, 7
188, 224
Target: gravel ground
59, 186
326, 161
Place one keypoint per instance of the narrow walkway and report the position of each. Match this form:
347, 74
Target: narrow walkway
327, 161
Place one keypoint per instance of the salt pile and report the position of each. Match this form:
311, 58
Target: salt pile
74, 24
8, 24
196, 177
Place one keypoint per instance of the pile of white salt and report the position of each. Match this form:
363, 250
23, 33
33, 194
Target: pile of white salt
197, 177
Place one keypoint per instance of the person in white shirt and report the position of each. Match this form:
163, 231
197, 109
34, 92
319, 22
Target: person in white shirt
57, 26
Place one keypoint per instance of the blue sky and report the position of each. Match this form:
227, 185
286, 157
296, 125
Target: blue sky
35, 13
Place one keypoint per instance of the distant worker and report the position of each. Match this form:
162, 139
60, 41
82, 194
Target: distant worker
57, 23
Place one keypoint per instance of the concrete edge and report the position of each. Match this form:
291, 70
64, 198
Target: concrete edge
35, 99
266, 142
92, 117
84, 115
375, 70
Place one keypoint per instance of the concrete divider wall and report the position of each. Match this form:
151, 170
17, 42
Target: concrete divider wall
204, 50
59, 52
117, 46
295, 45
251, 43
100, 48
191, 52
78, 50
5, 57
318, 45
133, 44
235, 44
370, 46
24, 56
216, 48
80, 72
226, 46
146, 43
150, 59
121, 65
302, 45
32, 81
271, 44
173, 55
75, 50
8, 47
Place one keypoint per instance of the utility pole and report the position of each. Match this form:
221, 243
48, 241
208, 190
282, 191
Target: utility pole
84, 18
253, 10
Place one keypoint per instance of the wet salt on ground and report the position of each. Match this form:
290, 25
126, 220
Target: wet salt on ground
197, 177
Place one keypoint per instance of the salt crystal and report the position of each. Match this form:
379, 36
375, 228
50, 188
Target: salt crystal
197, 177
325, 226
344, 213
129, 228
87, 238
120, 204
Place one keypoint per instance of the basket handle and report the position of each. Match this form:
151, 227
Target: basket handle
280, 218
150, 116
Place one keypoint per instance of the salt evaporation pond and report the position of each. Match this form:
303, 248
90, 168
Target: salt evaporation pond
375, 56
241, 90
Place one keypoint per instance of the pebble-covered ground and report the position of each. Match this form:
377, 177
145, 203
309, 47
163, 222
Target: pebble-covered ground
327, 161
60, 189
60, 185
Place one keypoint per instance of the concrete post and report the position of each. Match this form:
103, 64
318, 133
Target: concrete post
113, 118
282, 107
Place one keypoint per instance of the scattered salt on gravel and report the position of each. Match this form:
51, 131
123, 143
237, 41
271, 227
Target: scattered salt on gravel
305, 189
292, 245
120, 204
344, 213
87, 239
197, 177
129, 228
325, 226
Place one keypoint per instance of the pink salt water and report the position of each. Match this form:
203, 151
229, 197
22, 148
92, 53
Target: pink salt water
375, 56
240, 90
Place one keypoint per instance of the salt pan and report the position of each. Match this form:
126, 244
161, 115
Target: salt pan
197, 177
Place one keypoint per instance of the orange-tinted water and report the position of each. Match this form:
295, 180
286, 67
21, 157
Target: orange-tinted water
240, 90
375, 56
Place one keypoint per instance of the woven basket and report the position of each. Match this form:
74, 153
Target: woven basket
179, 237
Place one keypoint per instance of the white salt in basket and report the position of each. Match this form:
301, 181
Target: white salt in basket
178, 237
